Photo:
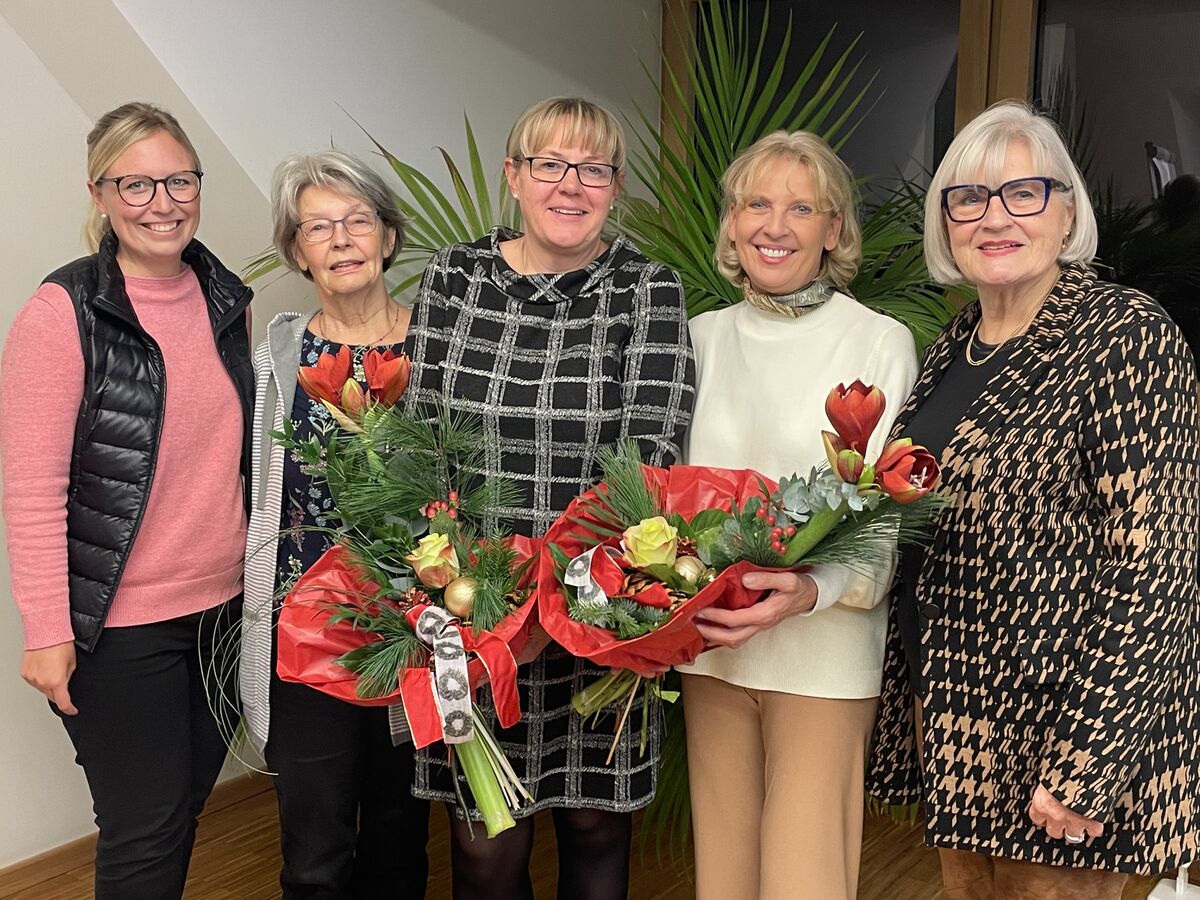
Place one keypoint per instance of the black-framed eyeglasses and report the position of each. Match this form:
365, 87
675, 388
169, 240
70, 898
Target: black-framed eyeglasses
1021, 197
139, 190
358, 224
590, 174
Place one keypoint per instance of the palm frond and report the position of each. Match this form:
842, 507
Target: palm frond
729, 96
667, 821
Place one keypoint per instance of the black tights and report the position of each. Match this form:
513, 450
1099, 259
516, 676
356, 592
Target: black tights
593, 857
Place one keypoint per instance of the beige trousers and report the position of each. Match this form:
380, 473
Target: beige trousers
777, 791
977, 876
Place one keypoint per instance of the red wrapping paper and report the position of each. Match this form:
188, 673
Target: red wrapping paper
686, 490
416, 684
307, 646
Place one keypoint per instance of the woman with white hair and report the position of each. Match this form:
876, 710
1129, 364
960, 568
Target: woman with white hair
349, 825
780, 712
1050, 633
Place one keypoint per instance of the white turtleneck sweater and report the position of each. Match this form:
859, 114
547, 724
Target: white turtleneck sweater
761, 384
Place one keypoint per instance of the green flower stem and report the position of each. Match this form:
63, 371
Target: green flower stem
613, 688
812, 532
485, 786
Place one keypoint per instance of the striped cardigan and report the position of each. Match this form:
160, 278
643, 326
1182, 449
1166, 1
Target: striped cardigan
276, 362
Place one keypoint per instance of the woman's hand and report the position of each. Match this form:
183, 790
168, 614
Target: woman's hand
49, 670
792, 593
1060, 823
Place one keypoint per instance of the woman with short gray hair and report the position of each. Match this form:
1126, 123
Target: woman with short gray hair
349, 825
1043, 674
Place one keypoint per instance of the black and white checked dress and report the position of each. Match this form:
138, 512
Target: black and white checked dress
557, 367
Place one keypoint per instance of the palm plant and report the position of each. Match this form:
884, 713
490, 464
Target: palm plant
730, 96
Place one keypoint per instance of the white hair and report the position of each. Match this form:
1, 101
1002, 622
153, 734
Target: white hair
981, 147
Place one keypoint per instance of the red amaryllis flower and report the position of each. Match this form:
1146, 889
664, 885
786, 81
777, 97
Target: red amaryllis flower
387, 375
906, 471
324, 381
854, 412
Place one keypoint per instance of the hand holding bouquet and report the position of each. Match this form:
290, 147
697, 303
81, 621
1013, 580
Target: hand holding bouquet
411, 603
630, 563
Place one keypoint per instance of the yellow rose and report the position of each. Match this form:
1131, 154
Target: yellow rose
433, 560
651, 542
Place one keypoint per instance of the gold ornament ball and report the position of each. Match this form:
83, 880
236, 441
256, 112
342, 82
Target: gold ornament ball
690, 568
459, 596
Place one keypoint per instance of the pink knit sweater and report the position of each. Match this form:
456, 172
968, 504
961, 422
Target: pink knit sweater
188, 552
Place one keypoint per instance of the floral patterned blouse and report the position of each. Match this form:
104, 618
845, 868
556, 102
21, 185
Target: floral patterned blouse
307, 504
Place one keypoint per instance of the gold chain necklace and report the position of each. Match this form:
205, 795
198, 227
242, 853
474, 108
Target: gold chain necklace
1020, 329
378, 340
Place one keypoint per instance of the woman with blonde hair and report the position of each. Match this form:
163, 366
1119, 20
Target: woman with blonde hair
564, 342
125, 542
780, 711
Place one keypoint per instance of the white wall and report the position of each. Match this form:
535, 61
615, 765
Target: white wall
407, 70
252, 83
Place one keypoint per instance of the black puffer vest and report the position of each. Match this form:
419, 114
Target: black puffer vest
120, 418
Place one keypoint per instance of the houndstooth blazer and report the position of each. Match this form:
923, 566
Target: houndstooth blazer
1059, 608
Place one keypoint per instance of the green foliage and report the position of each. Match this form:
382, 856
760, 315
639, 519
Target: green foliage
625, 492
716, 112
667, 821
377, 664
732, 95
623, 617
436, 219
493, 564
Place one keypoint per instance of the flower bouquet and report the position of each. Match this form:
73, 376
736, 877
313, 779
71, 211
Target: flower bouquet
411, 603
631, 562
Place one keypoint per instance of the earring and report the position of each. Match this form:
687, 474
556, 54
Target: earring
515, 197
1066, 240
103, 215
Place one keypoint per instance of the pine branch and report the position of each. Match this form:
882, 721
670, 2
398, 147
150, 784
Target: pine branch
625, 491
496, 574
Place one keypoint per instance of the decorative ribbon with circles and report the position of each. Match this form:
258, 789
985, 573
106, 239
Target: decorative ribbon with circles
579, 576
438, 697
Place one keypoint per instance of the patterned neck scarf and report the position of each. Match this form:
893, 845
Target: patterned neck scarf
793, 305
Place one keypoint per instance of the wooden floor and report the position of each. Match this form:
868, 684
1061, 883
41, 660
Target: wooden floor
237, 858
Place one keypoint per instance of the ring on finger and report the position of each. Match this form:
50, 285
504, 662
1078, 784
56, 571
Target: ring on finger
1074, 838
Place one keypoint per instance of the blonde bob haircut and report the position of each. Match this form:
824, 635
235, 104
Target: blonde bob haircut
979, 151
114, 133
338, 171
578, 121
836, 193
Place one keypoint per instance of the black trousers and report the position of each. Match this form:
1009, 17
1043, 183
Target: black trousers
350, 828
150, 746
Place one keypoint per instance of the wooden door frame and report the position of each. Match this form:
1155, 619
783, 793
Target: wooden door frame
997, 48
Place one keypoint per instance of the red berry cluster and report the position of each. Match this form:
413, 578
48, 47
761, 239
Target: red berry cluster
449, 506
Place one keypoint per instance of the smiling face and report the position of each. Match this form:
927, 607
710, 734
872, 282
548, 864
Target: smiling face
562, 220
1002, 252
151, 237
779, 231
344, 265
